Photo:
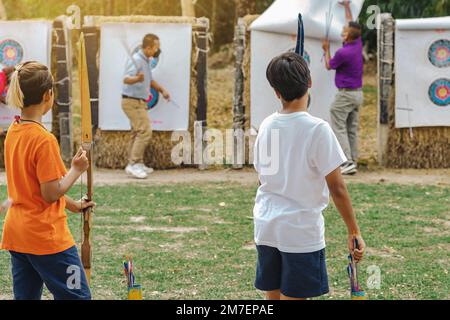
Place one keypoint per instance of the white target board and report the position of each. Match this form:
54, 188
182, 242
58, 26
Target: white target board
422, 69
22, 41
275, 32
172, 70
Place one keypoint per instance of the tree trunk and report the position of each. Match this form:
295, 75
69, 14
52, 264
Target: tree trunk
187, 8
3, 15
245, 7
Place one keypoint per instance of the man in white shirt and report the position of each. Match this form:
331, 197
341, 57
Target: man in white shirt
298, 159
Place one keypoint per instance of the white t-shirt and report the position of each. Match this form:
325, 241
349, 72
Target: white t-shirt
293, 154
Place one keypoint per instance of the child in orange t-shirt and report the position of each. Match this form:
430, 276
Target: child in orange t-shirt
35, 230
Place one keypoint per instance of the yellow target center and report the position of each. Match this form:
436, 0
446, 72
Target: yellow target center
442, 92
442, 53
10, 53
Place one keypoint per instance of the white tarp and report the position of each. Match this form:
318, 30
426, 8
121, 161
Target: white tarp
423, 24
422, 69
173, 71
274, 32
22, 41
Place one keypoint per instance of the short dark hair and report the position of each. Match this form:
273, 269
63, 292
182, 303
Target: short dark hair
149, 40
354, 30
289, 75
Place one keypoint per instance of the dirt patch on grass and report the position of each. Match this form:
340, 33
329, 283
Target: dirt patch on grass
249, 246
170, 247
385, 252
439, 224
211, 220
170, 229
248, 176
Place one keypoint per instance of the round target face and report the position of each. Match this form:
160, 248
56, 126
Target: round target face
440, 92
11, 53
153, 99
439, 53
306, 56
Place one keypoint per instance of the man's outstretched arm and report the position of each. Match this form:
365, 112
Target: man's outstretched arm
348, 10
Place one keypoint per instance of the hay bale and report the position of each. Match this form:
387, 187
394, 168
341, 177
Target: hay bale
111, 147
426, 148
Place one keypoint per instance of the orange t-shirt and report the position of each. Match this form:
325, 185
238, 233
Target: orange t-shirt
32, 225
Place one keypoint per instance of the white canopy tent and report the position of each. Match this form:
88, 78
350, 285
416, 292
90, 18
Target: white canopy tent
274, 33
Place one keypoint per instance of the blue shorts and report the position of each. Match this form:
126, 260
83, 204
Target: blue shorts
296, 275
62, 274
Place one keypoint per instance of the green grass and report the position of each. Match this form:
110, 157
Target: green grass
186, 245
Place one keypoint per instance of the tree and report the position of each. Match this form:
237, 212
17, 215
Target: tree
187, 8
245, 7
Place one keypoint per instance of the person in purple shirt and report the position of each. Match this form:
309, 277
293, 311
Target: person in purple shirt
348, 63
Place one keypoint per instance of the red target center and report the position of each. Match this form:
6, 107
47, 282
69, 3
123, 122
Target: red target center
442, 92
442, 53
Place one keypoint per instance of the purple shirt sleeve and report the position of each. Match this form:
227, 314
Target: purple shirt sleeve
337, 60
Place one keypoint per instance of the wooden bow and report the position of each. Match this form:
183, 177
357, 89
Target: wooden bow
86, 143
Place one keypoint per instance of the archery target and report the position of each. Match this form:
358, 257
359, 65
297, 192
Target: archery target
153, 99
172, 70
439, 53
306, 56
422, 95
22, 41
11, 52
440, 92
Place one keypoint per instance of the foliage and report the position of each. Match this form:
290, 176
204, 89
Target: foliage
221, 13
403, 9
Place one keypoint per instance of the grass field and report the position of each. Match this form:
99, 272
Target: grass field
195, 241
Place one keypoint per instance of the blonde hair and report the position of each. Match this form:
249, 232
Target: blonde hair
29, 82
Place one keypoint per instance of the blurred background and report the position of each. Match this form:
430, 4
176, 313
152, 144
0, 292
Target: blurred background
222, 14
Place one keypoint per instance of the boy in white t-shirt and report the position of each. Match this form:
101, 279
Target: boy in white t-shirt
298, 159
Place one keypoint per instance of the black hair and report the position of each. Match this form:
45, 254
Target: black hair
289, 75
354, 30
149, 40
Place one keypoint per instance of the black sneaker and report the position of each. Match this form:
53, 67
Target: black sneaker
349, 168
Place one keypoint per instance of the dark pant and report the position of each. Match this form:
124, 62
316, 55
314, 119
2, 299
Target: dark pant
296, 275
62, 274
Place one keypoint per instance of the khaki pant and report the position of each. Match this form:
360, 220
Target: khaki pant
141, 130
345, 121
